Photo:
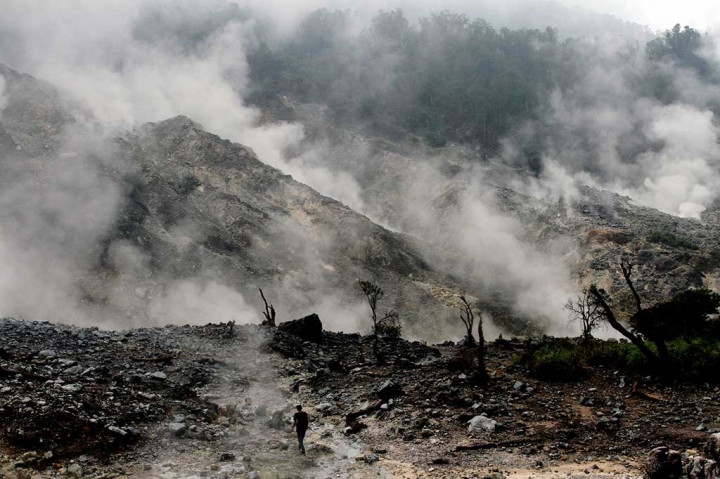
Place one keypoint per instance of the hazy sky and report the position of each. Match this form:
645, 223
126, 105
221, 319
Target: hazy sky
571, 18
658, 14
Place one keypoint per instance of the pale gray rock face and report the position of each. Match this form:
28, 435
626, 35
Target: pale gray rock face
33, 118
199, 207
251, 225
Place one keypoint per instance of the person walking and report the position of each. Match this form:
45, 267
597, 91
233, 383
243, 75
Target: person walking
300, 423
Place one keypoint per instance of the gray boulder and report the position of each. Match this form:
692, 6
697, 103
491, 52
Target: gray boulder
712, 447
74, 470
308, 328
389, 389
177, 428
482, 423
371, 458
663, 463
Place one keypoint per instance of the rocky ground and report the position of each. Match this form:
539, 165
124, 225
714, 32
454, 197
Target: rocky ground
208, 401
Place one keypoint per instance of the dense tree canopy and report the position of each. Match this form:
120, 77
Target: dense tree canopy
685, 315
681, 45
445, 77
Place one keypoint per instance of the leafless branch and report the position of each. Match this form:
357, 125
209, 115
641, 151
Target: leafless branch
468, 319
269, 312
627, 266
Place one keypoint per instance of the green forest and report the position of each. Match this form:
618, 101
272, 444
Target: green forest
447, 77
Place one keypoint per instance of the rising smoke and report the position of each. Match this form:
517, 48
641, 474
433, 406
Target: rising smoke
116, 66
119, 64
609, 130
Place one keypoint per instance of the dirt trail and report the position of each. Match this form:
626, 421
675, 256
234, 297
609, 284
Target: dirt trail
248, 384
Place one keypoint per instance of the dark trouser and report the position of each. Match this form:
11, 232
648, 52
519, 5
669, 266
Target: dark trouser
301, 437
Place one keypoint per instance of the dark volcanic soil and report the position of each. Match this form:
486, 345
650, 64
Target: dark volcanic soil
204, 402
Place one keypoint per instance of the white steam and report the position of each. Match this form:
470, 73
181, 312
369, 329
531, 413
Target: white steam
191, 302
92, 52
684, 177
3, 94
50, 230
113, 77
490, 243
593, 128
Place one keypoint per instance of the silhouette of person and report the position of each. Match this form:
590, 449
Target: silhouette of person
300, 423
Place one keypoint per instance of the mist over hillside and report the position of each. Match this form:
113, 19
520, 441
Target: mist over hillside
471, 141
613, 111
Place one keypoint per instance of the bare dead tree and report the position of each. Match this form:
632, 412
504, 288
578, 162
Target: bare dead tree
230, 329
601, 297
373, 293
482, 375
388, 325
626, 266
585, 310
468, 319
662, 360
269, 312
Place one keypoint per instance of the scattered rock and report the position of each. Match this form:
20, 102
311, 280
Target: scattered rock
177, 428
276, 420
712, 447
389, 389
482, 423
321, 448
118, 431
73, 388
227, 456
158, 376
371, 458
74, 470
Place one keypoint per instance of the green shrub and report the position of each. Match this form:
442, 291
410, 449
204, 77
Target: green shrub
621, 355
694, 359
697, 358
671, 240
556, 362
685, 315
391, 331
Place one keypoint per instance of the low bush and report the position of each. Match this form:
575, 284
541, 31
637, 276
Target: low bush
555, 362
620, 355
696, 359
671, 240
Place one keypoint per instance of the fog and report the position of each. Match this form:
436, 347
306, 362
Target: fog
119, 64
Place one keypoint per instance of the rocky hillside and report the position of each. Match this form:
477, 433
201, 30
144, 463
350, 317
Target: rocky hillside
32, 116
192, 206
203, 204
415, 188
671, 253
